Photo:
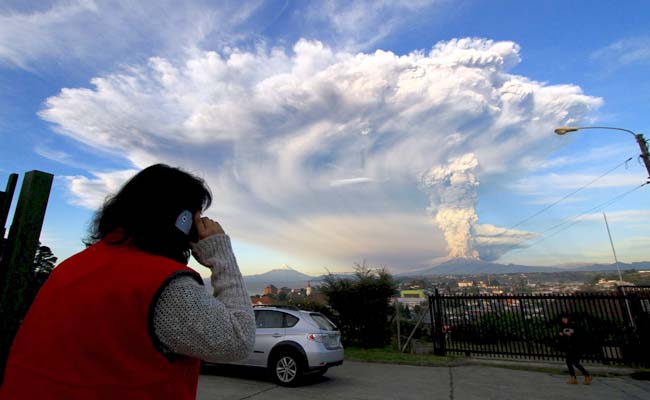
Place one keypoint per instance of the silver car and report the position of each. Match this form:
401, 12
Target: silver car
292, 343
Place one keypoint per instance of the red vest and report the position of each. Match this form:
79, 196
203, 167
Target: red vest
89, 333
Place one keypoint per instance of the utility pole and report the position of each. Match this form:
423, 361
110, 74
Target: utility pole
620, 277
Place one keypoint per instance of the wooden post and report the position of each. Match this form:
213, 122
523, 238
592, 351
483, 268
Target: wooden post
5, 204
439, 348
18, 259
399, 336
420, 318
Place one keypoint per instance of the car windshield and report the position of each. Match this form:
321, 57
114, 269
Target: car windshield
323, 322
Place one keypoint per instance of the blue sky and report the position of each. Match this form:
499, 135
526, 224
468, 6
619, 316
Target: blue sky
331, 132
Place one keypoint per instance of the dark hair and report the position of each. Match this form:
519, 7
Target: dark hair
144, 211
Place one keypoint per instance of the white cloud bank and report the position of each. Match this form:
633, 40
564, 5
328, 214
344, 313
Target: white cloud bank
321, 152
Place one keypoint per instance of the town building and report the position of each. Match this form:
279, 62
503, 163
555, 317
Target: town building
270, 289
412, 297
262, 300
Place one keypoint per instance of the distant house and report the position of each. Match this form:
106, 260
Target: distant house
270, 289
308, 289
412, 297
264, 300
611, 284
413, 294
465, 284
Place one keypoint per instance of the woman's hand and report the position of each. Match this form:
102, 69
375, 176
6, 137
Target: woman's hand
206, 227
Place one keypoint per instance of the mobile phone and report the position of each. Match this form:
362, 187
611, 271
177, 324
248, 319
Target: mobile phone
184, 222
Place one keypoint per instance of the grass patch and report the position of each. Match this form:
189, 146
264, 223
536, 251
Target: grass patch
388, 355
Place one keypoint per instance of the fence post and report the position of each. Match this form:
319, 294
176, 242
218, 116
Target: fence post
632, 341
433, 326
399, 336
18, 258
436, 324
5, 204
524, 323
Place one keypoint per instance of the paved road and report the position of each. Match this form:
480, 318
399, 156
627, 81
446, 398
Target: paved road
355, 380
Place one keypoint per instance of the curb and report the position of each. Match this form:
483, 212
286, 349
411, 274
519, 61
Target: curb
553, 367
547, 367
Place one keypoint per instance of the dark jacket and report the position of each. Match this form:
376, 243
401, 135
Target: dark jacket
572, 338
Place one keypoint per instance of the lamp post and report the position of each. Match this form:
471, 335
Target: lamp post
643, 145
645, 156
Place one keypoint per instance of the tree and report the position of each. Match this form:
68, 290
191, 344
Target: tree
363, 305
309, 305
596, 279
404, 311
44, 261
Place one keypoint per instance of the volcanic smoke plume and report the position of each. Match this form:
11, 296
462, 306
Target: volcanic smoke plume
453, 194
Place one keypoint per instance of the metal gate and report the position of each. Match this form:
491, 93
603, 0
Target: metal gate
615, 325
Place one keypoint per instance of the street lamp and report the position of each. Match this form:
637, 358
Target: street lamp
643, 145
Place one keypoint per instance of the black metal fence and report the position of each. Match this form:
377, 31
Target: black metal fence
615, 325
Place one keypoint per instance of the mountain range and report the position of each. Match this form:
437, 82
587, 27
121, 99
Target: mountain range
289, 277
470, 266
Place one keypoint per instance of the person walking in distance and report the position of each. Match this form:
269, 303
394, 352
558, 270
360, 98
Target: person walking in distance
571, 339
126, 318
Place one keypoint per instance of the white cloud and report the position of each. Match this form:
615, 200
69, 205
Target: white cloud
547, 183
350, 181
634, 216
492, 242
48, 151
359, 25
91, 192
273, 132
24, 36
592, 156
542, 199
77, 33
624, 52
82, 32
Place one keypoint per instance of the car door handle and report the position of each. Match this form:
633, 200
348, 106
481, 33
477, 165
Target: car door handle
277, 335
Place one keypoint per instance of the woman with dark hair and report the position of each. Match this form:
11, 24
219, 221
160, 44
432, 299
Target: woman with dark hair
571, 337
126, 318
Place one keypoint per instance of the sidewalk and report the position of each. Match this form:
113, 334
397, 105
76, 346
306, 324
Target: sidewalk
359, 380
550, 366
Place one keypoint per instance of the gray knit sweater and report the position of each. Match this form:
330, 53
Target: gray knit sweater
189, 321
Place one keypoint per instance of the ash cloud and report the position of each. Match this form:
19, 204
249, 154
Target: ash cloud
309, 149
453, 193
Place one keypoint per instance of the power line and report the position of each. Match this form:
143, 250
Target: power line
565, 197
575, 220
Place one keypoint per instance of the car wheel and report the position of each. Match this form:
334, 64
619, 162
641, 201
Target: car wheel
287, 369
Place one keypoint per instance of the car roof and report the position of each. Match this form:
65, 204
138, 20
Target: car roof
287, 309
